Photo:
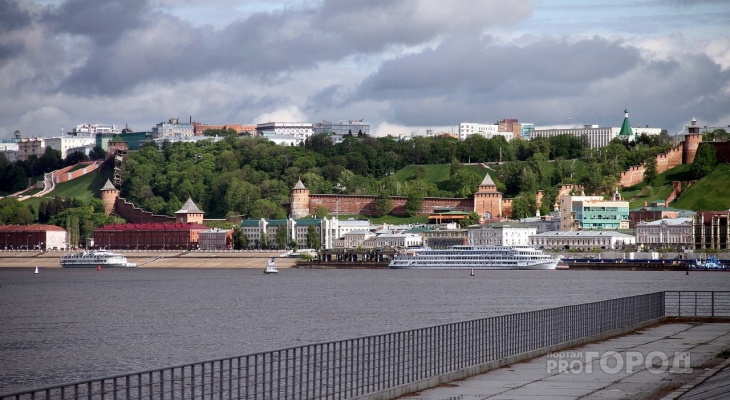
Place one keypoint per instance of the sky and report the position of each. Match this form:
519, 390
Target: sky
401, 65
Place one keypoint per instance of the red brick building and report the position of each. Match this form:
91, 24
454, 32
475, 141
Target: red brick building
149, 236
29, 237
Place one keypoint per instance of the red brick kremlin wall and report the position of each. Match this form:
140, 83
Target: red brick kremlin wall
365, 205
134, 214
62, 175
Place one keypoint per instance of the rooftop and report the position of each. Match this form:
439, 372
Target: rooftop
583, 234
189, 208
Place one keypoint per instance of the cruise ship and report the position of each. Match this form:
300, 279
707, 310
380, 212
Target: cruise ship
95, 259
474, 257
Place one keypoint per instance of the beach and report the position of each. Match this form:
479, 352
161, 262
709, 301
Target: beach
156, 259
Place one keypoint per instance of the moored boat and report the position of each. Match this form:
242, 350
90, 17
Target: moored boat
271, 267
474, 257
95, 259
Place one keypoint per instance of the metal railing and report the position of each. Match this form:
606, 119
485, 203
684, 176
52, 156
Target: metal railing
362, 366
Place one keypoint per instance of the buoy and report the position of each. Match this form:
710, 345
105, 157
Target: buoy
98, 267
472, 272
36, 270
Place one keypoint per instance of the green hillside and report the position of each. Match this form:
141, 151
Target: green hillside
637, 195
83, 188
709, 193
437, 174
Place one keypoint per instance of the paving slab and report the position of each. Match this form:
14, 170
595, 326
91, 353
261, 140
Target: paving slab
647, 364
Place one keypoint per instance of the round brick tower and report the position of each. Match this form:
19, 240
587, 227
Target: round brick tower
692, 141
299, 201
109, 196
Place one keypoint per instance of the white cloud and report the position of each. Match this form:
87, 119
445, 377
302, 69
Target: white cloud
287, 114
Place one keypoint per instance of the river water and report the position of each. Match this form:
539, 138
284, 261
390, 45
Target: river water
69, 324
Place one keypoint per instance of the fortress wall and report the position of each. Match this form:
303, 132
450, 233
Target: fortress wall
64, 176
365, 205
134, 214
722, 151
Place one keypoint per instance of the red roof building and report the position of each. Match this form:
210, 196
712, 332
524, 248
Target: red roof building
149, 236
29, 237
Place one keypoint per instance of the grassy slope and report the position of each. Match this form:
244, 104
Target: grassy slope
658, 190
709, 193
84, 188
437, 174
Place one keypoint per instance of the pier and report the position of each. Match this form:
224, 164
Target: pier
390, 365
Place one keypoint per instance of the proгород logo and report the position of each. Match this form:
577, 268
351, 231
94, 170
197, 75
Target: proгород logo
611, 362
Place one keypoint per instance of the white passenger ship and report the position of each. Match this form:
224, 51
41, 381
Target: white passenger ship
95, 259
474, 257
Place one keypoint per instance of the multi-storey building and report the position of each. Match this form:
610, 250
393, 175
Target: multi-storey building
300, 130
28, 237
91, 130
501, 234
489, 131
658, 210
155, 235
31, 147
674, 233
443, 238
582, 240
65, 143
10, 148
352, 127
216, 239
711, 230
172, 129
398, 240
598, 136
593, 212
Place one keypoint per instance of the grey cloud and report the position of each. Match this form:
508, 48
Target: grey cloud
550, 81
12, 16
102, 21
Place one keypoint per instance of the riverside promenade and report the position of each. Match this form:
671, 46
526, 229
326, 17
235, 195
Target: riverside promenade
615, 368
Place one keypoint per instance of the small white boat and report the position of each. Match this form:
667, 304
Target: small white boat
271, 267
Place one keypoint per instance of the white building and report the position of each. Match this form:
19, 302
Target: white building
172, 129
489, 131
582, 240
334, 228
500, 234
284, 140
353, 239
398, 240
10, 148
545, 223
65, 143
94, 129
300, 130
665, 233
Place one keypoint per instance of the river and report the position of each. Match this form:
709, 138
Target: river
70, 324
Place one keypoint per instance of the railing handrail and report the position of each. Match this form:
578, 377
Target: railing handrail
264, 354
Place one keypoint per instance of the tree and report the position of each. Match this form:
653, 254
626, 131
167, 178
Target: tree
650, 170
704, 162
471, 219
312, 238
322, 212
383, 204
240, 241
281, 237
414, 202
524, 206
97, 153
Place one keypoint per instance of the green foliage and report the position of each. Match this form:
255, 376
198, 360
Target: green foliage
719, 135
472, 219
281, 237
240, 241
13, 212
650, 170
383, 204
709, 193
524, 206
322, 212
704, 162
414, 202
312, 238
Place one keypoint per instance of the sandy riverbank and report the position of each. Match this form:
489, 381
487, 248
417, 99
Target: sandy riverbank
155, 259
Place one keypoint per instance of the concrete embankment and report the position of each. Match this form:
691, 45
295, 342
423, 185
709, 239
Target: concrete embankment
156, 259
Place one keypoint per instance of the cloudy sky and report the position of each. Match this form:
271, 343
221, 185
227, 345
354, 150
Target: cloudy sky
402, 65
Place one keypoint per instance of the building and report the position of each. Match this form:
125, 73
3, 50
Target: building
134, 140
599, 136
284, 140
172, 129
199, 129
711, 230
443, 238
398, 240
353, 239
10, 148
355, 127
31, 147
656, 211
593, 212
300, 130
149, 236
500, 234
91, 130
65, 143
29, 237
487, 200
582, 240
668, 233
546, 223
489, 131
216, 239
